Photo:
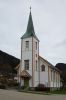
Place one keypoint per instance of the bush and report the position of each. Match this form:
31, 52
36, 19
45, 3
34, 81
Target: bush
42, 87
2, 86
12, 83
23, 87
16, 84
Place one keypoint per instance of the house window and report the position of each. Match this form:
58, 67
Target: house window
27, 44
26, 64
42, 68
36, 65
36, 45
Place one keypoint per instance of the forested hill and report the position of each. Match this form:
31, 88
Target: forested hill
7, 62
62, 67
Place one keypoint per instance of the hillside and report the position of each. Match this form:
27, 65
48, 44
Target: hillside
62, 67
8, 63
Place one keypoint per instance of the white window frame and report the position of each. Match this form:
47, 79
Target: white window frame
27, 45
26, 64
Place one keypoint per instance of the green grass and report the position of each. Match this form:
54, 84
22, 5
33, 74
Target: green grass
36, 92
63, 91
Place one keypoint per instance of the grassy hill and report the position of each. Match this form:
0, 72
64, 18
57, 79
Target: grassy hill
62, 67
8, 63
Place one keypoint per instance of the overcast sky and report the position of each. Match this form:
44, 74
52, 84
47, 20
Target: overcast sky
49, 19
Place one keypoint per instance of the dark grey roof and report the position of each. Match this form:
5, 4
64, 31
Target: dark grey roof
30, 29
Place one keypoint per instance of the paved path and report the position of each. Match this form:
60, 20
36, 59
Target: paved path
14, 95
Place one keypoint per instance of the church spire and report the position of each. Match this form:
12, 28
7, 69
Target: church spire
30, 28
30, 8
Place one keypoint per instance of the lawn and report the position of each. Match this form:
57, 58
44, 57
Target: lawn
63, 92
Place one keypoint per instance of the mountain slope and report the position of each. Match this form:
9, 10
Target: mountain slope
8, 63
62, 67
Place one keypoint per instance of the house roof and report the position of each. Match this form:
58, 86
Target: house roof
30, 29
25, 74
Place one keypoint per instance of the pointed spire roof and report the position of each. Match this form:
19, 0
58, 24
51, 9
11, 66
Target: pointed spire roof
30, 28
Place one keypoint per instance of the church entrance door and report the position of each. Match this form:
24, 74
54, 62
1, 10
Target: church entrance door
26, 82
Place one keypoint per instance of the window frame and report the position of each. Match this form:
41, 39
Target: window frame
27, 45
36, 45
54, 75
43, 68
26, 64
51, 75
36, 65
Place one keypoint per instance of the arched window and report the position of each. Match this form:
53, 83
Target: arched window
43, 68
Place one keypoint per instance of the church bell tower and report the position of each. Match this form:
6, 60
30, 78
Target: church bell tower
29, 56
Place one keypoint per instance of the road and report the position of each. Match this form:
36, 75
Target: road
14, 95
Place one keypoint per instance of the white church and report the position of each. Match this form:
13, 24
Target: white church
33, 69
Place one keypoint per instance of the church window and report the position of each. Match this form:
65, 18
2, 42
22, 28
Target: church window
36, 45
26, 64
36, 55
51, 75
36, 65
27, 44
54, 76
42, 68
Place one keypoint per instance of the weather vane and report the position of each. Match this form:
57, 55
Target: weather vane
30, 8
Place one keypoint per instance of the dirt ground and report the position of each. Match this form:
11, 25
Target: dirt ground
14, 95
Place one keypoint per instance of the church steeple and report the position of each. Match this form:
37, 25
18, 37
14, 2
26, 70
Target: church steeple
30, 28
29, 54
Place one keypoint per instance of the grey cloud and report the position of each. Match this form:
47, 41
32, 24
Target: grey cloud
61, 43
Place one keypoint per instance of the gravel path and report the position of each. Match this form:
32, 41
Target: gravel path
14, 95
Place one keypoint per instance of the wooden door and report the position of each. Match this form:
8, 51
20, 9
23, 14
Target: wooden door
26, 82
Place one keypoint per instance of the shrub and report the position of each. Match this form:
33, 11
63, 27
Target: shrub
23, 87
2, 86
12, 83
42, 87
